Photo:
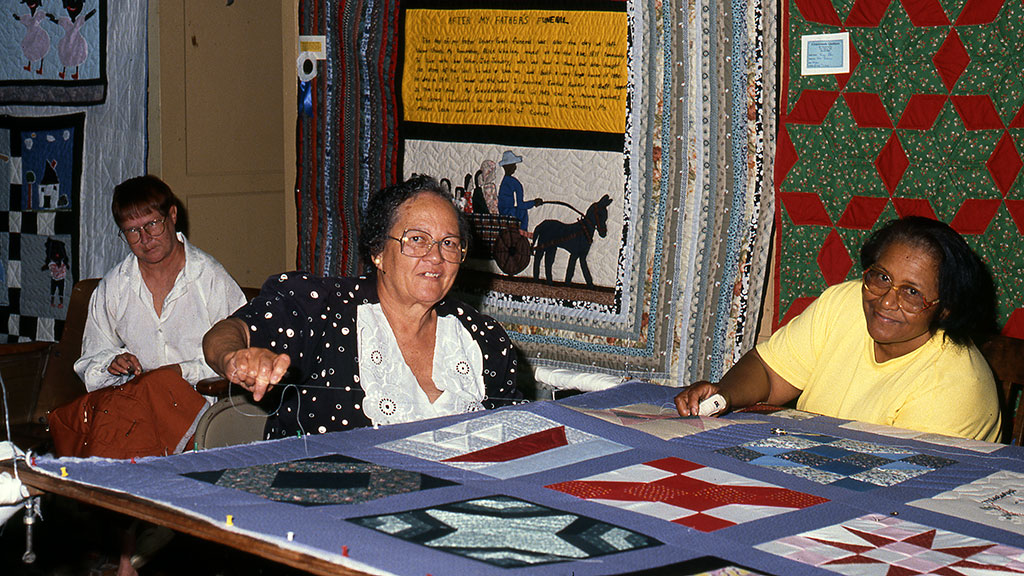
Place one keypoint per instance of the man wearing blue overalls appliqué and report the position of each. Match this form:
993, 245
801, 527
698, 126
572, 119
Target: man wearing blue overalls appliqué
510, 193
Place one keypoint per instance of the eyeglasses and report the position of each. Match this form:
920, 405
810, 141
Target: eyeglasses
417, 244
908, 298
153, 228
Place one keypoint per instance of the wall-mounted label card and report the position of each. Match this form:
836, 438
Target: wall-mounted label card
315, 45
825, 54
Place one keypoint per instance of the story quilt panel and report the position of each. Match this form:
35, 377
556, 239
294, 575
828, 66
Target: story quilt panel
505, 445
566, 223
836, 461
874, 545
687, 493
929, 121
508, 532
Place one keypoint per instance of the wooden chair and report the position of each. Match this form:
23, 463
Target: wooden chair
40, 376
1005, 355
233, 419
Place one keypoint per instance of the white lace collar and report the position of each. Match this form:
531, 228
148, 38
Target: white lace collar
392, 393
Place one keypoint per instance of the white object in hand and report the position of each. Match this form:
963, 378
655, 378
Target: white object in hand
711, 405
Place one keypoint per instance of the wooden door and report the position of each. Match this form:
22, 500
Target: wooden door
222, 123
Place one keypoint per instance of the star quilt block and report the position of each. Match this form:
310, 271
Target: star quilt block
682, 492
837, 461
505, 445
927, 122
879, 545
508, 532
326, 480
661, 421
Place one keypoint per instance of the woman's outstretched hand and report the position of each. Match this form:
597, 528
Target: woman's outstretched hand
255, 369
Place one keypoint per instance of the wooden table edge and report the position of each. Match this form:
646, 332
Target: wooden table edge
156, 513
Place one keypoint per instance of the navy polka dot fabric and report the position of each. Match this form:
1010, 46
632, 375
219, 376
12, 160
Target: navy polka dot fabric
313, 320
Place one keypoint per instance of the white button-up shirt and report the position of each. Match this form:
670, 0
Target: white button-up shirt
122, 319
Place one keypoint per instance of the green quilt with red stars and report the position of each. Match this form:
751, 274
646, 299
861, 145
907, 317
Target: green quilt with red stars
929, 121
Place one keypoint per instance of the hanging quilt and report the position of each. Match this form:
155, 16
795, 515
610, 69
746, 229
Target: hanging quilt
38, 223
928, 121
54, 55
639, 129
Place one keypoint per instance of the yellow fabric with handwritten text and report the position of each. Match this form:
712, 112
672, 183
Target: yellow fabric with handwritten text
541, 69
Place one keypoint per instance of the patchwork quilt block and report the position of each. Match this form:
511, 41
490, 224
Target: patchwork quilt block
505, 445
508, 532
837, 461
996, 500
663, 422
689, 494
791, 414
332, 479
877, 545
938, 439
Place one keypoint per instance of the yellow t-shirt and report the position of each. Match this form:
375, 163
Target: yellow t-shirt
827, 353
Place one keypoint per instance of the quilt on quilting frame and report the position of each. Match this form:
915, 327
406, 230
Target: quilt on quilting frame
617, 517
929, 121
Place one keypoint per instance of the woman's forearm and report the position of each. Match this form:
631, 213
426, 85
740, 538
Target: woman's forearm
747, 382
224, 337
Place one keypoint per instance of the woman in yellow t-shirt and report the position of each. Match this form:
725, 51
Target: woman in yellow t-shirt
894, 348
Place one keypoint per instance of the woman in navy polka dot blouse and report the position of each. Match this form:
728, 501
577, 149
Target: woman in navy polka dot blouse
384, 348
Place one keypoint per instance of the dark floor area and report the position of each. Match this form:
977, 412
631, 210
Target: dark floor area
75, 539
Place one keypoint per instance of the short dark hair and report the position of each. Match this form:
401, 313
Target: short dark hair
381, 212
966, 291
141, 195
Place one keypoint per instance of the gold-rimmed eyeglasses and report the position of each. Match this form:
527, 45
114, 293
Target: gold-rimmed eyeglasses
153, 228
417, 244
908, 298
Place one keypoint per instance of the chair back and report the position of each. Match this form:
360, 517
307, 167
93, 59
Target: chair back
232, 420
235, 418
60, 384
1005, 355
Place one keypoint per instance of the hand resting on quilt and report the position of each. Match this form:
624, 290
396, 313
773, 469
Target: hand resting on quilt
748, 382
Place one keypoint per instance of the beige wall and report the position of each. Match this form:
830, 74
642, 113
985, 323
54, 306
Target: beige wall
222, 126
